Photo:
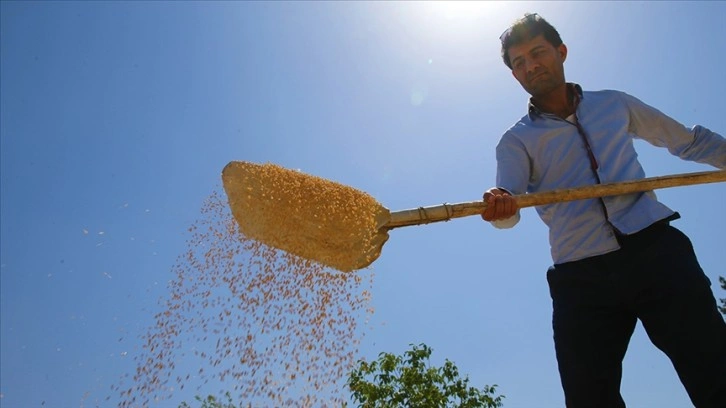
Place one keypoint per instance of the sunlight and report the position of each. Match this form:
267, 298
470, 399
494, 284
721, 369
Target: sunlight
455, 10
447, 34
467, 10
464, 19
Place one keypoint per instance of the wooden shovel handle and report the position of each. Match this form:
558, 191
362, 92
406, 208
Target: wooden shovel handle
445, 212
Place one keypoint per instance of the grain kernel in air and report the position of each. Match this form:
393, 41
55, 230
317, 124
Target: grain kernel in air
284, 329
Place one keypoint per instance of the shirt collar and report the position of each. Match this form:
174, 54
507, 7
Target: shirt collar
575, 91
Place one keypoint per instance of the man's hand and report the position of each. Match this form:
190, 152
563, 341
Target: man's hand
500, 205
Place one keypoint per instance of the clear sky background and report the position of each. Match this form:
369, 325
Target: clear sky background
117, 118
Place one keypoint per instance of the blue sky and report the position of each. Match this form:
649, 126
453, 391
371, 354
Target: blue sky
116, 119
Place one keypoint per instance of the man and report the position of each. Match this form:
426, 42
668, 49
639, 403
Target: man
616, 259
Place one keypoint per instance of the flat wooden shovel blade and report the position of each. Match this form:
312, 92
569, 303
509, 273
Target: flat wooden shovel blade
305, 215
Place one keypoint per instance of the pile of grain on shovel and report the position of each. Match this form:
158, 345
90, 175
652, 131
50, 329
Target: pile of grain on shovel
306, 215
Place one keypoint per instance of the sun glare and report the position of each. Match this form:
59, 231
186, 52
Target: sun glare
463, 18
463, 10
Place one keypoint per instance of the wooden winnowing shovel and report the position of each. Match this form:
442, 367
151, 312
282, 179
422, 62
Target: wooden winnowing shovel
345, 228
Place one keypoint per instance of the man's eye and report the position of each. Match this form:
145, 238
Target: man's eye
518, 64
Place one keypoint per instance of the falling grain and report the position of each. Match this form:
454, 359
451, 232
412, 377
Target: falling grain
273, 328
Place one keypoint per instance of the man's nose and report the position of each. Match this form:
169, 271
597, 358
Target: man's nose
531, 65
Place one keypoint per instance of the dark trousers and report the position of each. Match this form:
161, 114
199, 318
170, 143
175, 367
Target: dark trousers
654, 277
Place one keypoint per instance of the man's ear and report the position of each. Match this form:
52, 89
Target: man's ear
562, 50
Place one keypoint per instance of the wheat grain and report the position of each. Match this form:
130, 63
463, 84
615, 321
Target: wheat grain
306, 215
274, 328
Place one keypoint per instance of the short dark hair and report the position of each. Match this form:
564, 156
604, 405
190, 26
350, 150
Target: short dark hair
525, 29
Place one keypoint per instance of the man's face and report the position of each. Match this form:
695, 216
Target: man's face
538, 65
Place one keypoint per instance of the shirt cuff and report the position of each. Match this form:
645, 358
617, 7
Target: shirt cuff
507, 222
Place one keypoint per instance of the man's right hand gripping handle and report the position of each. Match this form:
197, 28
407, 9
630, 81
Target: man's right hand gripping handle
500, 205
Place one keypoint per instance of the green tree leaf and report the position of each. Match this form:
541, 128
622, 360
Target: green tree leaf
409, 381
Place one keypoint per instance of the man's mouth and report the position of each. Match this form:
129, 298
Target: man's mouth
538, 76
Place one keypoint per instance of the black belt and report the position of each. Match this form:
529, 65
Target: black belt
646, 233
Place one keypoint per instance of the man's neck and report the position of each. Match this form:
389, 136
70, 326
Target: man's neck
560, 101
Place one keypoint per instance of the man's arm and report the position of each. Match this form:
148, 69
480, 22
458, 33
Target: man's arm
513, 169
697, 144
